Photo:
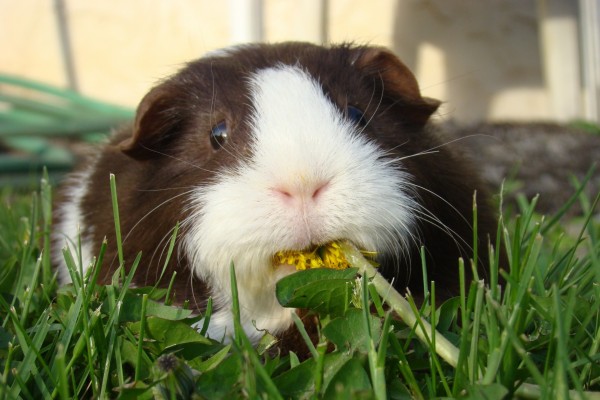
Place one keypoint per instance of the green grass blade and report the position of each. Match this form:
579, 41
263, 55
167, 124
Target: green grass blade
140, 348
117, 220
31, 350
473, 362
63, 381
558, 215
302, 330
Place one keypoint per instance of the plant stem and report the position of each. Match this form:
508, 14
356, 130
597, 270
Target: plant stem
446, 350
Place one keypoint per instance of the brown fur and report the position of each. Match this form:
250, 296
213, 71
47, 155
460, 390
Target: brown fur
167, 152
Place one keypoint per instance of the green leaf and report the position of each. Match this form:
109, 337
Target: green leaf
213, 362
221, 382
350, 382
326, 291
299, 382
447, 312
131, 309
266, 342
350, 331
129, 355
168, 333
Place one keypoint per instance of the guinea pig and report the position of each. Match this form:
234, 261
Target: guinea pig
259, 148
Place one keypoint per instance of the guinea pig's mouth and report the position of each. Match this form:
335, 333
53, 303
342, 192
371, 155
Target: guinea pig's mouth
329, 255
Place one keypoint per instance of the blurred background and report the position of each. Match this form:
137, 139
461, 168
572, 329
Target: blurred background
488, 61
494, 59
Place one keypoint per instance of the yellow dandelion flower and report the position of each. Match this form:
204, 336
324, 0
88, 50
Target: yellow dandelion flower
332, 256
329, 255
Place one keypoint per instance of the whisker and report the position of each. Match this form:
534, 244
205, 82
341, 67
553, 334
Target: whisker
153, 210
462, 217
181, 160
376, 107
163, 244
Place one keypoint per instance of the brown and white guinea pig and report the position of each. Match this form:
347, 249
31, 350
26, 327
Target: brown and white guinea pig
260, 148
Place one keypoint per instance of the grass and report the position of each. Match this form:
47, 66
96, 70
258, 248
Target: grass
536, 337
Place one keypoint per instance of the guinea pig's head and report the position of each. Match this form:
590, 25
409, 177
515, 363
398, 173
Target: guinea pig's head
285, 147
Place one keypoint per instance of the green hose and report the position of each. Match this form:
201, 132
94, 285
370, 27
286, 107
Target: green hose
39, 124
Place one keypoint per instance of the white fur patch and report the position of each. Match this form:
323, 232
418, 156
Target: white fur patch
68, 227
312, 178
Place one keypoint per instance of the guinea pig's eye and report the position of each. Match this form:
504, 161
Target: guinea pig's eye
218, 135
356, 115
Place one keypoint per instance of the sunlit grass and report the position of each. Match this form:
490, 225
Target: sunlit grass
537, 336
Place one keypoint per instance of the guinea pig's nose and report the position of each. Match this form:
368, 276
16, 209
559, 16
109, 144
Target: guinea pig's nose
302, 193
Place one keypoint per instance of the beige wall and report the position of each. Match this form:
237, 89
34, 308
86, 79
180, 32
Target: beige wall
481, 57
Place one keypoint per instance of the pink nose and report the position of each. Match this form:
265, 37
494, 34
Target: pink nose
301, 194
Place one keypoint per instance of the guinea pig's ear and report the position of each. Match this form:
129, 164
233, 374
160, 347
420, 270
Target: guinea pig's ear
156, 118
398, 81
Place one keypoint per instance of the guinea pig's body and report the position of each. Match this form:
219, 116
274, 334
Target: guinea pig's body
263, 148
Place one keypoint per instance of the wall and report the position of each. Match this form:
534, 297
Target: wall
482, 58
